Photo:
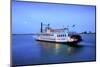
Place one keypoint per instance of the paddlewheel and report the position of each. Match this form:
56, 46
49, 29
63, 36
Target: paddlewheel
76, 37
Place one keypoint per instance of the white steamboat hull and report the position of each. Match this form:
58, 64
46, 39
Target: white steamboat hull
58, 40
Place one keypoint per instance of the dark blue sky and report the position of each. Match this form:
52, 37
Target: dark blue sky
27, 16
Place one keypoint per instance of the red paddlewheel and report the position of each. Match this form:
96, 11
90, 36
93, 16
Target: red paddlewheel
78, 37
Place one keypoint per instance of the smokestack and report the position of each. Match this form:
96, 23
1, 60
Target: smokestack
48, 25
41, 27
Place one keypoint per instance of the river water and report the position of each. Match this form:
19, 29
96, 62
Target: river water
27, 51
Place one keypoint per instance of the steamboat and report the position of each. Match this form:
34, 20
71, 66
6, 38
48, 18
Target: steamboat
62, 35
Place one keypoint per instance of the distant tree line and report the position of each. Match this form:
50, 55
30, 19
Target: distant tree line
85, 32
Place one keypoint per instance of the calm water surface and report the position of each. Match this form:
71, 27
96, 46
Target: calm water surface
25, 50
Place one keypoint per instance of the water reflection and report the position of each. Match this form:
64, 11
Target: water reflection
60, 49
57, 47
27, 50
69, 50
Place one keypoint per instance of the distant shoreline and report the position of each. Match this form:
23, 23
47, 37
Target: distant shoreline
87, 33
35, 34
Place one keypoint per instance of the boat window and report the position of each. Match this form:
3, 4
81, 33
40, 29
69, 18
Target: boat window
65, 35
51, 35
57, 35
61, 35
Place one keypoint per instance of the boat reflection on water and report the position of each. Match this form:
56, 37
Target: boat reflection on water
27, 50
61, 49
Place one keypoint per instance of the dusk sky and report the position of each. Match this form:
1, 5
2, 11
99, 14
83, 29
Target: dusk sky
27, 16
